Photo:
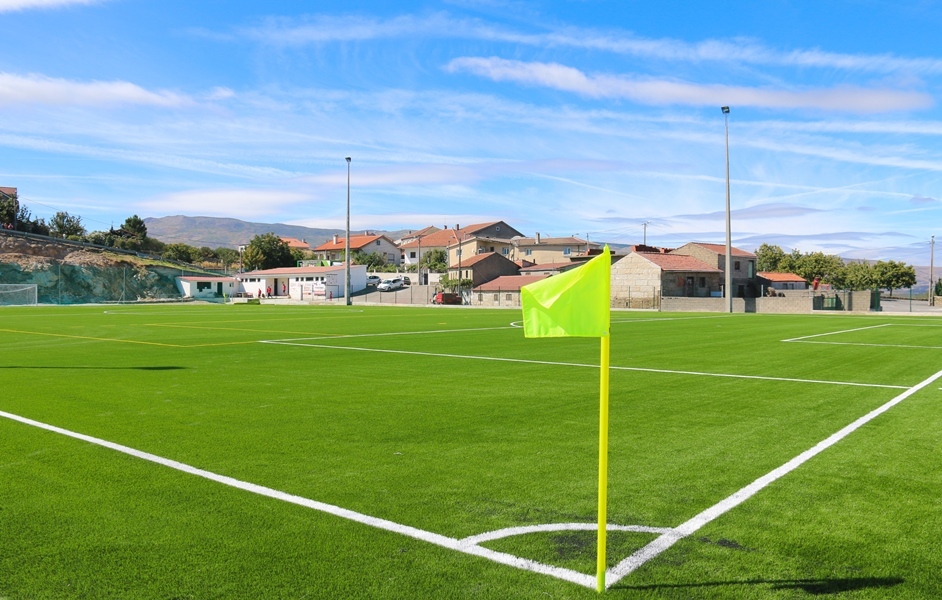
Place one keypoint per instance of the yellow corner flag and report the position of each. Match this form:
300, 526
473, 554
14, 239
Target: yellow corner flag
573, 304
577, 303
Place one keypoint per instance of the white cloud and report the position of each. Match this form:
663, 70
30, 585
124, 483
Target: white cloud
14, 5
663, 91
38, 89
321, 29
237, 203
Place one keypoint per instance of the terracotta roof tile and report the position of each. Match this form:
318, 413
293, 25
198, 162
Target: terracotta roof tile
678, 262
509, 283
781, 277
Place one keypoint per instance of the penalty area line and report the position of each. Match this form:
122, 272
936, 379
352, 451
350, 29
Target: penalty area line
667, 540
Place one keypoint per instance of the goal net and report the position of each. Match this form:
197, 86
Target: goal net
17, 294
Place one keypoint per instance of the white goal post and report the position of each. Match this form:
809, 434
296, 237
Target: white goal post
18, 294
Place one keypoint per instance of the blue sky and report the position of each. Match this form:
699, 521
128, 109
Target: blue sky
585, 117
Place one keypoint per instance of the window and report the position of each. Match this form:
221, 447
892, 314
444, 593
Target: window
703, 282
377, 242
508, 297
480, 297
528, 252
505, 251
752, 269
736, 265
203, 285
412, 255
567, 251
496, 297
492, 248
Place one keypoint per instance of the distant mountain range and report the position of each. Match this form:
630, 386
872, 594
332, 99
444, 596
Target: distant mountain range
232, 233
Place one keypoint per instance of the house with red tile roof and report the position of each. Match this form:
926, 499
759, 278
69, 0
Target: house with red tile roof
482, 268
642, 278
480, 238
782, 281
296, 244
502, 291
333, 250
743, 273
541, 249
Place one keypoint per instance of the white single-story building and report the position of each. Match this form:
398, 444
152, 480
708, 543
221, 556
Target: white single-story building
302, 283
196, 286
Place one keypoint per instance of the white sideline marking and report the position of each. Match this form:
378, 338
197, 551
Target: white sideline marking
668, 539
296, 342
467, 546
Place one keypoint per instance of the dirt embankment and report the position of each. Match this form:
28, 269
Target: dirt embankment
68, 274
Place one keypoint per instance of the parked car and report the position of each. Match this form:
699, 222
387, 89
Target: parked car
406, 280
446, 298
372, 280
389, 285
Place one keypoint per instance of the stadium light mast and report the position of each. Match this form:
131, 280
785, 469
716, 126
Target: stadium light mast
729, 244
346, 241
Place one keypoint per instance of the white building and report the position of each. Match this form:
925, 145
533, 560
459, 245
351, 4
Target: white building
302, 283
195, 286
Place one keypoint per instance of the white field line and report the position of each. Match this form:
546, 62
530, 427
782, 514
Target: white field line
467, 546
871, 345
388, 334
512, 531
668, 539
583, 365
808, 337
805, 339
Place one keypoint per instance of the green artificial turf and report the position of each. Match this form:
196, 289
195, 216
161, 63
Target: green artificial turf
448, 420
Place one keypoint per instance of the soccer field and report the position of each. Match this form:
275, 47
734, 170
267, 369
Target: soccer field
206, 451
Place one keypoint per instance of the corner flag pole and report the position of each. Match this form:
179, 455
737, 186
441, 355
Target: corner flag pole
603, 462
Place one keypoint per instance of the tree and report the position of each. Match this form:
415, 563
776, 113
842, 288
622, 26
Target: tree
938, 287
17, 215
858, 276
135, 225
453, 284
267, 251
892, 275
180, 252
207, 254
435, 261
769, 258
227, 256
64, 225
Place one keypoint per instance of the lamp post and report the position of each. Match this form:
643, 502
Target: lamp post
346, 242
729, 245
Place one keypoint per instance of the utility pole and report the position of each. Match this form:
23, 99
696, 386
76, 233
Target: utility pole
644, 237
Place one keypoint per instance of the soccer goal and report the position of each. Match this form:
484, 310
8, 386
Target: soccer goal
18, 294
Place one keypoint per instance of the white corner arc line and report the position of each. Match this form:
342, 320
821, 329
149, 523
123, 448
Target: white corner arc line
293, 342
512, 531
413, 532
667, 540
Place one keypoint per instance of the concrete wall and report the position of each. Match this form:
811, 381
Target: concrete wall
502, 298
790, 304
675, 304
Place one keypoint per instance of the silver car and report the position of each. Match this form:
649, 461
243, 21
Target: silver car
389, 285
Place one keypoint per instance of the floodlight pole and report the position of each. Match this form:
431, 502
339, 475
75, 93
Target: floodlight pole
346, 242
729, 244
931, 268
